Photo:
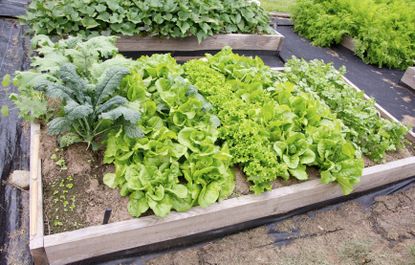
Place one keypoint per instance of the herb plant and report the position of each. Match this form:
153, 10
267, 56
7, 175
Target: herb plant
384, 31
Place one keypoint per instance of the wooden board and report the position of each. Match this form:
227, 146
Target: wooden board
98, 240
409, 77
349, 43
35, 199
217, 42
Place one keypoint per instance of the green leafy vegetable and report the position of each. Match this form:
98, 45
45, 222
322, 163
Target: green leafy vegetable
177, 163
87, 107
373, 134
272, 129
165, 18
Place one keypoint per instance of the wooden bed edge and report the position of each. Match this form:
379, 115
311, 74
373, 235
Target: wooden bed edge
349, 43
408, 77
271, 42
36, 234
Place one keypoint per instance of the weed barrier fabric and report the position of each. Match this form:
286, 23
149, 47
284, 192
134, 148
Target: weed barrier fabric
14, 154
380, 83
13, 8
140, 255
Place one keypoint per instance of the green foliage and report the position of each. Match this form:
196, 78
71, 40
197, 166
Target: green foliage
89, 109
384, 30
176, 164
72, 82
86, 56
165, 18
373, 134
271, 129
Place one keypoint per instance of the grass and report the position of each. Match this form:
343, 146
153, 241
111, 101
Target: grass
278, 5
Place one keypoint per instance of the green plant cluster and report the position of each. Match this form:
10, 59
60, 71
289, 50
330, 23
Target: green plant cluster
271, 129
373, 134
178, 163
174, 132
383, 30
165, 18
71, 84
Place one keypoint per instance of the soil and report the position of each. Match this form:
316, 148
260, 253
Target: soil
75, 197
348, 234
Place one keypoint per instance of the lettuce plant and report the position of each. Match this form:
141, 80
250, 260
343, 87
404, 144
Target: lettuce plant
177, 163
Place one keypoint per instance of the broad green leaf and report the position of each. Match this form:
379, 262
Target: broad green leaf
299, 173
109, 180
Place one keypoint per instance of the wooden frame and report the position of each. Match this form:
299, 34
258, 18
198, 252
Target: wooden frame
72, 246
251, 42
409, 77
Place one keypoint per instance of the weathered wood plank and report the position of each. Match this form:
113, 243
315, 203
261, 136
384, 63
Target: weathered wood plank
349, 43
236, 41
98, 240
409, 77
36, 198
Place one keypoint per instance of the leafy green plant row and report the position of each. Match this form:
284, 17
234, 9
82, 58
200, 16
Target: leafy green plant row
373, 134
178, 162
271, 129
384, 31
165, 18
174, 132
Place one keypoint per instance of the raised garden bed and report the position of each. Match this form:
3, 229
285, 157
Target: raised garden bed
84, 243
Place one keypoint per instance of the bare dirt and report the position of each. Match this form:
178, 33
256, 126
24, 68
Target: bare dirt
350, 234
74, 195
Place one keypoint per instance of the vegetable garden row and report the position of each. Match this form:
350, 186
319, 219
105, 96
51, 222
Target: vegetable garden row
180, 138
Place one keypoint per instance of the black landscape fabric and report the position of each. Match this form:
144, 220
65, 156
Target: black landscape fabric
14, 154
